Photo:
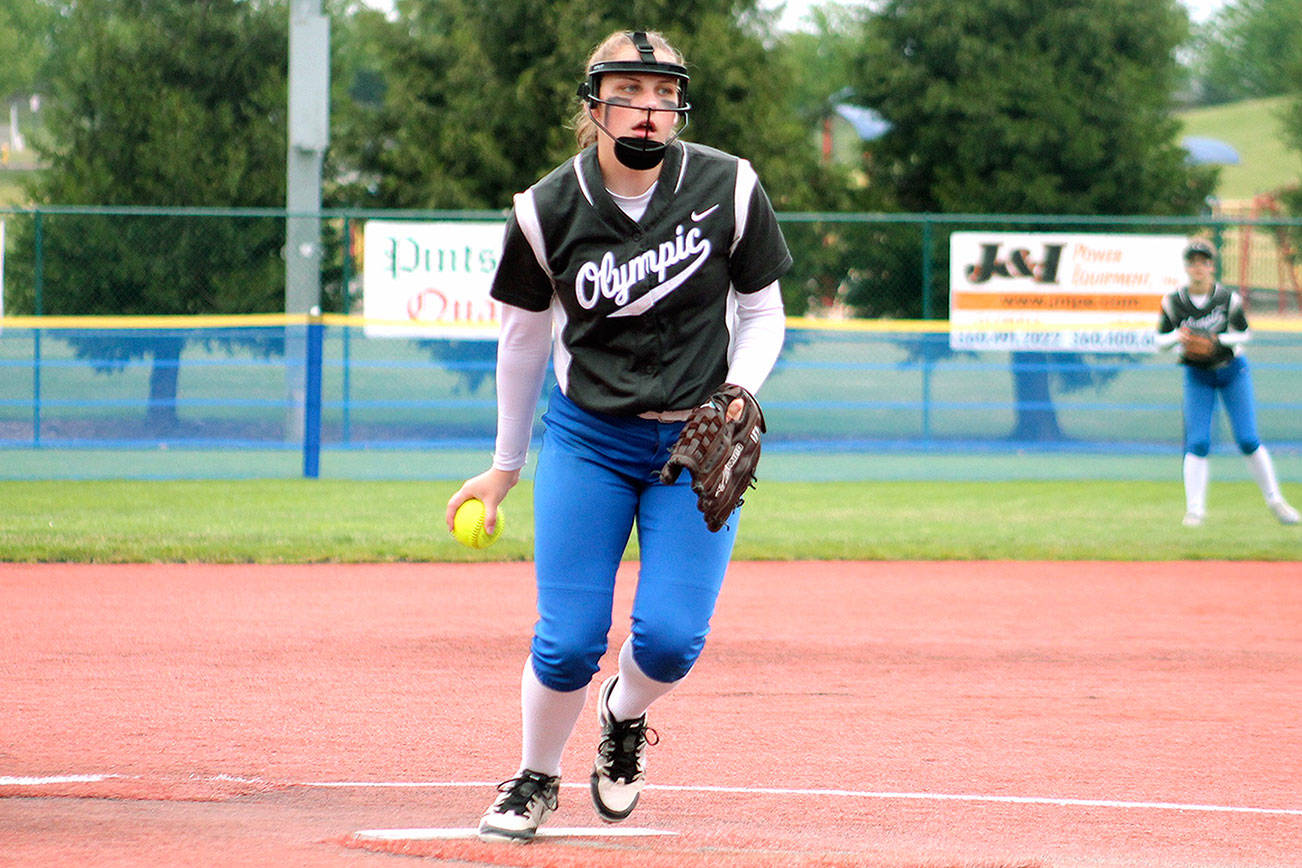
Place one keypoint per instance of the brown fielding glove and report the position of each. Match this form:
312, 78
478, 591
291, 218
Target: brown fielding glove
1198, 346
721, 455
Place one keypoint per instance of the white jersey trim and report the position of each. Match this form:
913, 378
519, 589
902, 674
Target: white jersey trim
560, 352
1235, 338
583, 184
682, 169
526, 217
746, 181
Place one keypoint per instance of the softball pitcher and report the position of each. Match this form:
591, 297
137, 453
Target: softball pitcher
1207, 323
647, 268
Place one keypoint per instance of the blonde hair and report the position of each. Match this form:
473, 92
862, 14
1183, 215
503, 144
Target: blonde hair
585, 130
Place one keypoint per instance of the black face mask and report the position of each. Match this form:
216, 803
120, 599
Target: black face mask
639, 154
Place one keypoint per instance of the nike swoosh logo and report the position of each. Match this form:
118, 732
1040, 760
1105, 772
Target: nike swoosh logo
646, 302
698, 216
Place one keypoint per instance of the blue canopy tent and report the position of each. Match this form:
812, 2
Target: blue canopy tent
1203, 150
866, 122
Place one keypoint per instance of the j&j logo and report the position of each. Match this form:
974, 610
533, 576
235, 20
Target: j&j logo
1018, 263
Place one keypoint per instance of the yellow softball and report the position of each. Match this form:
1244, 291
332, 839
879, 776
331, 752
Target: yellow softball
468, 525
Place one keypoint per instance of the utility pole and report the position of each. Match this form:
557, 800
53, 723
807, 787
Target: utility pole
309, 133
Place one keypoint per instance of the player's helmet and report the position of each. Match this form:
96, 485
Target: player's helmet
647, 62
1198, 247
633, 151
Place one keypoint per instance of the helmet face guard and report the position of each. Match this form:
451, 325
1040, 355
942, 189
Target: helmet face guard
638, 152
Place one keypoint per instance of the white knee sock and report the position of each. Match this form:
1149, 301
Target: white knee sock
548, 718
1263, 471
1196, 473
635, 690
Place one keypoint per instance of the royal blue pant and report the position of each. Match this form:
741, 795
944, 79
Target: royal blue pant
597, 477
1233, 382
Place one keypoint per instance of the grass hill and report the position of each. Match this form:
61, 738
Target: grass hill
1253, 127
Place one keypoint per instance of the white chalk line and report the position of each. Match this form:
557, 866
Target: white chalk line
1118, 804
54, 779
458, 834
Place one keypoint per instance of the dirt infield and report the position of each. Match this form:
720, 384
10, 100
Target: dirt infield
877, 714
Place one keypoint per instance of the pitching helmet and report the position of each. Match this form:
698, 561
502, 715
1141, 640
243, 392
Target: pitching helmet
647, 63
638, 152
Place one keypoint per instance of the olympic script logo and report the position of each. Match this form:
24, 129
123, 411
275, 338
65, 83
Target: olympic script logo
1213, 321
611, 280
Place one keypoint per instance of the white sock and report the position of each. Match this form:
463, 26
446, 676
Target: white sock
1263, 470
548, 718
635, 690
1196, 473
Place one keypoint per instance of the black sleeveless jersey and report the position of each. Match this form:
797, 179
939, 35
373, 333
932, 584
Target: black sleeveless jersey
641, 307
1222, 313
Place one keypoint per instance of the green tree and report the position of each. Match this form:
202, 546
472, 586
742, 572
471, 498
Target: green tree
162, 102
1039, 107
824, 58
1250, 48
476, 97
830, 255
25, 45
1029, 107
167, 102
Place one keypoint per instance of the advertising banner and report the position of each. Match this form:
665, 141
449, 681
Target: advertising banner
430, 279
1060, 292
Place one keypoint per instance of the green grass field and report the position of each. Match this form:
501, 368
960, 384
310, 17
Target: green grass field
300, 521
1253, 128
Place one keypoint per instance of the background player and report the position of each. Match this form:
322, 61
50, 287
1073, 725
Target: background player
1207, 323
652, 265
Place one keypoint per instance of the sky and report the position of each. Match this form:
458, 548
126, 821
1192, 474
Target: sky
796, 10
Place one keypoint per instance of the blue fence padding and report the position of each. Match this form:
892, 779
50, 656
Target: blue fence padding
312, 402
830, 391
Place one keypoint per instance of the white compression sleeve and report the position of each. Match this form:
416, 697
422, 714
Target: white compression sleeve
1167, 340
1234, 338
760, 328
522, 349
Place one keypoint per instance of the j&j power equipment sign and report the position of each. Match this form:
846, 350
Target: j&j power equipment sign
1060, 292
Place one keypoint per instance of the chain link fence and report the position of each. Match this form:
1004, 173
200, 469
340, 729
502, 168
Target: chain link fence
86, 261
131, 332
